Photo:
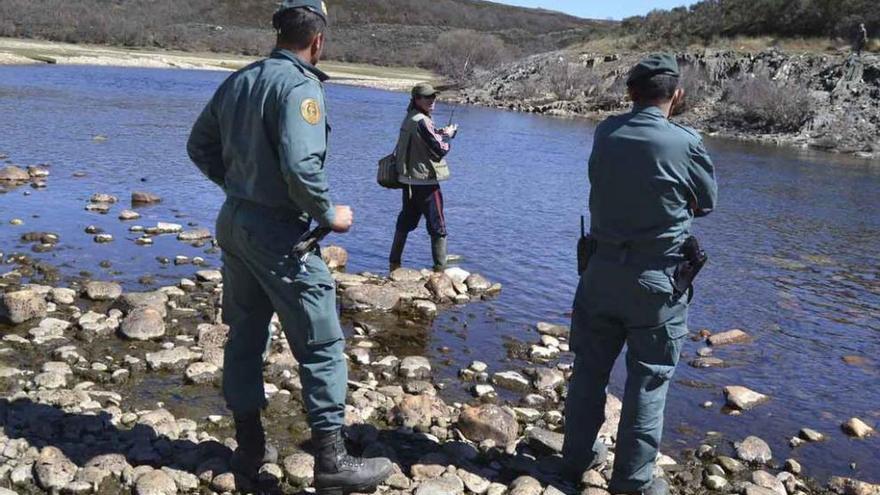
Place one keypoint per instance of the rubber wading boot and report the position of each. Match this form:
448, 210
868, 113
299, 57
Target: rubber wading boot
659, 486
337, 473
394, 259
438, 251
252, 451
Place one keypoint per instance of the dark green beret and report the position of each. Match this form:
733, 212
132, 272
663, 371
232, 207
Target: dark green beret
653, 65
316, 6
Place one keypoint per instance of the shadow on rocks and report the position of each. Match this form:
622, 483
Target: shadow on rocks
101, 450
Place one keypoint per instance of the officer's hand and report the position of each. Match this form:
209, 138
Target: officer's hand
343, 219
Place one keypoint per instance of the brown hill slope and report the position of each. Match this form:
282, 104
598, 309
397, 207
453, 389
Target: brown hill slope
390, 32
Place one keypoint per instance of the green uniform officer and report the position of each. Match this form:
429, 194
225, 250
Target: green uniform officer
649, 178
263, 139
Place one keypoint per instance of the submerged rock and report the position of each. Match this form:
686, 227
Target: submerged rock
11, 173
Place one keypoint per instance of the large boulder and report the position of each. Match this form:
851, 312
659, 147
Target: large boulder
143, 324
857, 428
370, 298
489, 422
21, 306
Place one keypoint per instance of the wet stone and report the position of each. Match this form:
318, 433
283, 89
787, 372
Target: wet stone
155, 482
299, 469
202, 373
511, 380
102, 291
811, 435
715, 482
448, 484
141, 197
143, 324
706, 362
743, 398
489, 422
170, 359
210, 276
735, 336
194, 235
857, 428
53, 470
20, 306
768, 481
545, 441
754, 449
558, 331
415, 367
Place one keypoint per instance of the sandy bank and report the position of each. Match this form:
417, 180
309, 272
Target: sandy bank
21, 52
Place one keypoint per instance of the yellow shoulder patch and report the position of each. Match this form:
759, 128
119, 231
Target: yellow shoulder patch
311, 111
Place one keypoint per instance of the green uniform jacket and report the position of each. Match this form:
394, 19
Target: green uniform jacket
263, 137
649, 177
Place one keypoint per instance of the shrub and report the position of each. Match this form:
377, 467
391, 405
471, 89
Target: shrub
569, 80
769, 105
697, 85
457, 54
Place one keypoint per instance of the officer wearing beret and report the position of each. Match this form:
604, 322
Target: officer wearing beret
263, 139
649, 178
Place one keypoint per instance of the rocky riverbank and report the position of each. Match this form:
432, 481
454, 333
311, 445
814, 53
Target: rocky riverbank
822, 101
83, 359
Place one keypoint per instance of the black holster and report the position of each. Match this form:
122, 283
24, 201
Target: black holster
586, 248
689, 267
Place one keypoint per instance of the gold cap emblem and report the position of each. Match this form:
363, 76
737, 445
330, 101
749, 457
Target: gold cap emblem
311, 112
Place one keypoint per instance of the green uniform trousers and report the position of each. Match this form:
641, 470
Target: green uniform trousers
257, 281
619, 303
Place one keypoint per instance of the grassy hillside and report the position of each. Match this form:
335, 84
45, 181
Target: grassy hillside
388, 32
709, 21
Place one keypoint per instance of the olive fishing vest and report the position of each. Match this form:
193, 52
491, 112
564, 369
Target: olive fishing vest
416, 163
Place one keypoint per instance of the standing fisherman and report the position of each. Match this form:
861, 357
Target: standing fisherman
649, 178
263, 139
420, 152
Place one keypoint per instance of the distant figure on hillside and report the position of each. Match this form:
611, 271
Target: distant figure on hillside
263, 139
420, 152
649, 179
861, 39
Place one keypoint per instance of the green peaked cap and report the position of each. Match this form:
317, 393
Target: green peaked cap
653, 65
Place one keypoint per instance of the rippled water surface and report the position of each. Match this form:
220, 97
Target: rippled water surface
794, 244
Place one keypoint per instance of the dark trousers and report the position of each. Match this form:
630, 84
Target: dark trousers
422, 201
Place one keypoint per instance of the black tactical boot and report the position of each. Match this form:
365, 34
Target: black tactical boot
252, 451
394, 259
438, 252
337, 473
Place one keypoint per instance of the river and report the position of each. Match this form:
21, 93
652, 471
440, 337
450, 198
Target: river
794, 243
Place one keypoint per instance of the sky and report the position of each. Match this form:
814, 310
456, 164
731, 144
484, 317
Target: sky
601, 9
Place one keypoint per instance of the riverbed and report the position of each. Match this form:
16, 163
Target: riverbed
793, 244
